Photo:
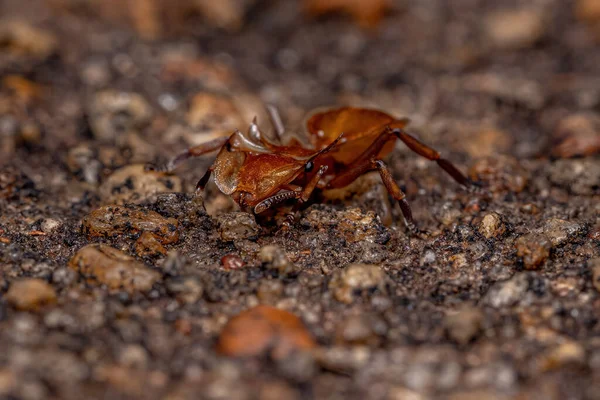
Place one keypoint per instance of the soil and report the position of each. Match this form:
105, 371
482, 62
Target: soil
117, 282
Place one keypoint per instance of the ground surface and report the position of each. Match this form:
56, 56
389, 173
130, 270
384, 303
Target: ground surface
500, 300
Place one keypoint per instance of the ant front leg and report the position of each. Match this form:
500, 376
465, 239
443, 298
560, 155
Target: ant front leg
397, 193
196, 151
431, 154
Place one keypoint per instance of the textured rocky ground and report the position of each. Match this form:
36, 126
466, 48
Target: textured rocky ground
118, 283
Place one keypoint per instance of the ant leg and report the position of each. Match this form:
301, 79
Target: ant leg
364, 165
312, 184
203, 181
196, 151
303, 197
431, 154
276, 121
394, 190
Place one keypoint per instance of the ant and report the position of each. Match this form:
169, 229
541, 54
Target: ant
345, 143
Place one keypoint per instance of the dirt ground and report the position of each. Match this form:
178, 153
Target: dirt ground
118, 283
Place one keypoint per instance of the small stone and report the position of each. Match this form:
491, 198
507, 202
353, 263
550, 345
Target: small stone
533, 249
577, 135
492, 225
515, 29
232, 262
133, 356
133, 184
273, 257
569, 352
343, 359
488, 141
30, 294
277, 391
186, 289
560, 231
464, 324
20, 38
148, 245
356, 278
113, 113
508, 293
50, 225
594, 265
112, 221
353, 224
500, 173
8, 382
360, 330
237, 226
264, 329
83, 162
366, 13
215, 115
578, 176
588, 11
105, 265
269, 291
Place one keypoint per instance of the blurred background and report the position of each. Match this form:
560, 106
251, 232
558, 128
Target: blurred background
518, 77
501, 301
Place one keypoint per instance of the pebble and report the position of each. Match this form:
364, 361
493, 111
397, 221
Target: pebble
133, 356
353, 224
113, 221
488, 141
579, 176
507, 293
237, 226
148, 245
463, 324
133, 184
533, 249
83, 162
366, 13
361, 330
560, 231
23, 39
500, 174
186, 289
492, 225
232, 262
264, 329
215, 115
356, 278
588, 11
269, 291
515, 28
569, 352
343, 359
105, 265
594, 265
113, 113
50, 225
577, 135
273, 257
30, 294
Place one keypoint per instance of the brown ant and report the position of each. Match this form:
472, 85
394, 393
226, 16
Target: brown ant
344, 144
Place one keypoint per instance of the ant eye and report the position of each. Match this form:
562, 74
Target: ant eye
309, 166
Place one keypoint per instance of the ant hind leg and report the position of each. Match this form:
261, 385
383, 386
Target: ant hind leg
431, 154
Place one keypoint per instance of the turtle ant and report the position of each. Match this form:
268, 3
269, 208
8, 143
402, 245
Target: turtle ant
344, 143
